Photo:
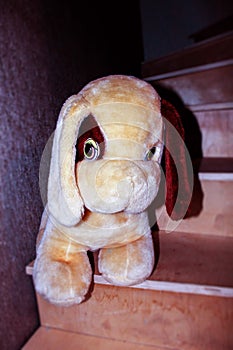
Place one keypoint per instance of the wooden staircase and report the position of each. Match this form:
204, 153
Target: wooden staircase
187, 303
199, 81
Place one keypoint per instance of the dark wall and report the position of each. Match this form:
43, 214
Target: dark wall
48, 51
167, 25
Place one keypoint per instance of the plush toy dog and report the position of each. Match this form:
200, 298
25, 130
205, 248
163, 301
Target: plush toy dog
104, 173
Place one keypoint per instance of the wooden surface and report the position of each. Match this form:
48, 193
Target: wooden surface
180, 321
158, 318
210, 86
221, 165
215, 217
203, 97
217, 132
205, 103
191, 263
211, 51
207, 87
195, 259
53, 339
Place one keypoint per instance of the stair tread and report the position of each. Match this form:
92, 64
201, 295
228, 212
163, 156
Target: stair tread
50, 338
195, 259
188, 263
211, 207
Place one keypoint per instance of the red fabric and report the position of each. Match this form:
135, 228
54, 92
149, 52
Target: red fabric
88, 129
175, 164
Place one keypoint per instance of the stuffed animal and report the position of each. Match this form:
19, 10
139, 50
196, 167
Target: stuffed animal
104, 174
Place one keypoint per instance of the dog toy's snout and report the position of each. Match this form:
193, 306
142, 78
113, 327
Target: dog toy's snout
110, 186
120, 181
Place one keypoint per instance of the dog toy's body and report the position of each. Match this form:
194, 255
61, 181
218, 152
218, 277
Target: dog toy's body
104, 174
62, 267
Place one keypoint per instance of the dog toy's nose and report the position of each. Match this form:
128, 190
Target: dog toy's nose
110, 186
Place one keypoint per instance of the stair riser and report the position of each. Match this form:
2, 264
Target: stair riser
217, 132
175, 320
204, 87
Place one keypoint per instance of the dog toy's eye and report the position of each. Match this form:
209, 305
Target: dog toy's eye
91, 149
150, 154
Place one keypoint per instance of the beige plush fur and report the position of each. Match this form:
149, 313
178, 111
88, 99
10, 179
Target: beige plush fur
101, 204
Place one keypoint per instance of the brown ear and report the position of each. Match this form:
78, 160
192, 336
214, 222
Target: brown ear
178, 166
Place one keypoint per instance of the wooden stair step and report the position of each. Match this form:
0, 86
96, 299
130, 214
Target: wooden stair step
216, 165
200, 76
205, 53
153, 318
214, 168
216, 128
206, 110
47, 338
190, 293
211, 204
212, 207
208, 89
187, 263
199, 82
195, 259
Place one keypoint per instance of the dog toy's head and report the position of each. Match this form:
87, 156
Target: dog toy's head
120, 170
106, 151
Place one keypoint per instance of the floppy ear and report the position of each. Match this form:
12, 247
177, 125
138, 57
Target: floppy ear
64, 201
178, 166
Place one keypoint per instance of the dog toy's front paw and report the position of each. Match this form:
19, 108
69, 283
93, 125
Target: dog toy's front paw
63, 282
129, 264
